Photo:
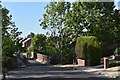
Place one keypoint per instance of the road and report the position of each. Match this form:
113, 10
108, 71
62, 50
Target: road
48, 72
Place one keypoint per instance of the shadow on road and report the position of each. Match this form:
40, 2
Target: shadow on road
33, 62
39, 71
48, 78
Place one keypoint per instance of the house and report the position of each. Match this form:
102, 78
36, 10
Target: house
26, 43
44, 59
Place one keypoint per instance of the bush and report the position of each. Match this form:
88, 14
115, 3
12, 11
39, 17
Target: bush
87, 47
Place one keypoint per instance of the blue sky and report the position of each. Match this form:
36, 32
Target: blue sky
27, 14
117, 3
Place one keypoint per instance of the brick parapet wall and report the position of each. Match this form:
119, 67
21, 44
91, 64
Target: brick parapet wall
81, 62
42, 58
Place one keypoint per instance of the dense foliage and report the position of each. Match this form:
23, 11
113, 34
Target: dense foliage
89, 48
45, 45
67, 20
9, 37
38, 43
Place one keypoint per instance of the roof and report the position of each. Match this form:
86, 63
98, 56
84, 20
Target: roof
26, 40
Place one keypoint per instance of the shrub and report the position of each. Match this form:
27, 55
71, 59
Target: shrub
87, 47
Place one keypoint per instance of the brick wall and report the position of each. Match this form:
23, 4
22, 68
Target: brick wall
42, 58
81, 62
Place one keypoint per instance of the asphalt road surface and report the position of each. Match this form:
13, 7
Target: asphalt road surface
47, 72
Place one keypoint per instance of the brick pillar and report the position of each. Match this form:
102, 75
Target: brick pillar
81, 62
106, 63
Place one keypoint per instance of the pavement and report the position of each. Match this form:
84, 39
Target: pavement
113, 72
39, 71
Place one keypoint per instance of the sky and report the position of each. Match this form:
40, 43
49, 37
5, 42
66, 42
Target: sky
117, 4
26, 15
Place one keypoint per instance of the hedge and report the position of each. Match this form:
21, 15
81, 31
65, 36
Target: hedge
89, 48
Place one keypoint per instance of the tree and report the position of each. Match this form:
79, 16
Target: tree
45, 45
67, 20
31, 35
38, 43
54, 21
18, 46
52, 50
8, 26
102, 21
9, 35
100, 14
7, 48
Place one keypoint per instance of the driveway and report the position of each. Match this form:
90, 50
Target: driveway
48, 72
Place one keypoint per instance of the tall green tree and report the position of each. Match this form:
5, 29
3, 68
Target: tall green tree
100, 18
67, 21
38, 43
53, 20
102, 23
9, 35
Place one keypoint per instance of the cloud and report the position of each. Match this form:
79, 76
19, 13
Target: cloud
118, 8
